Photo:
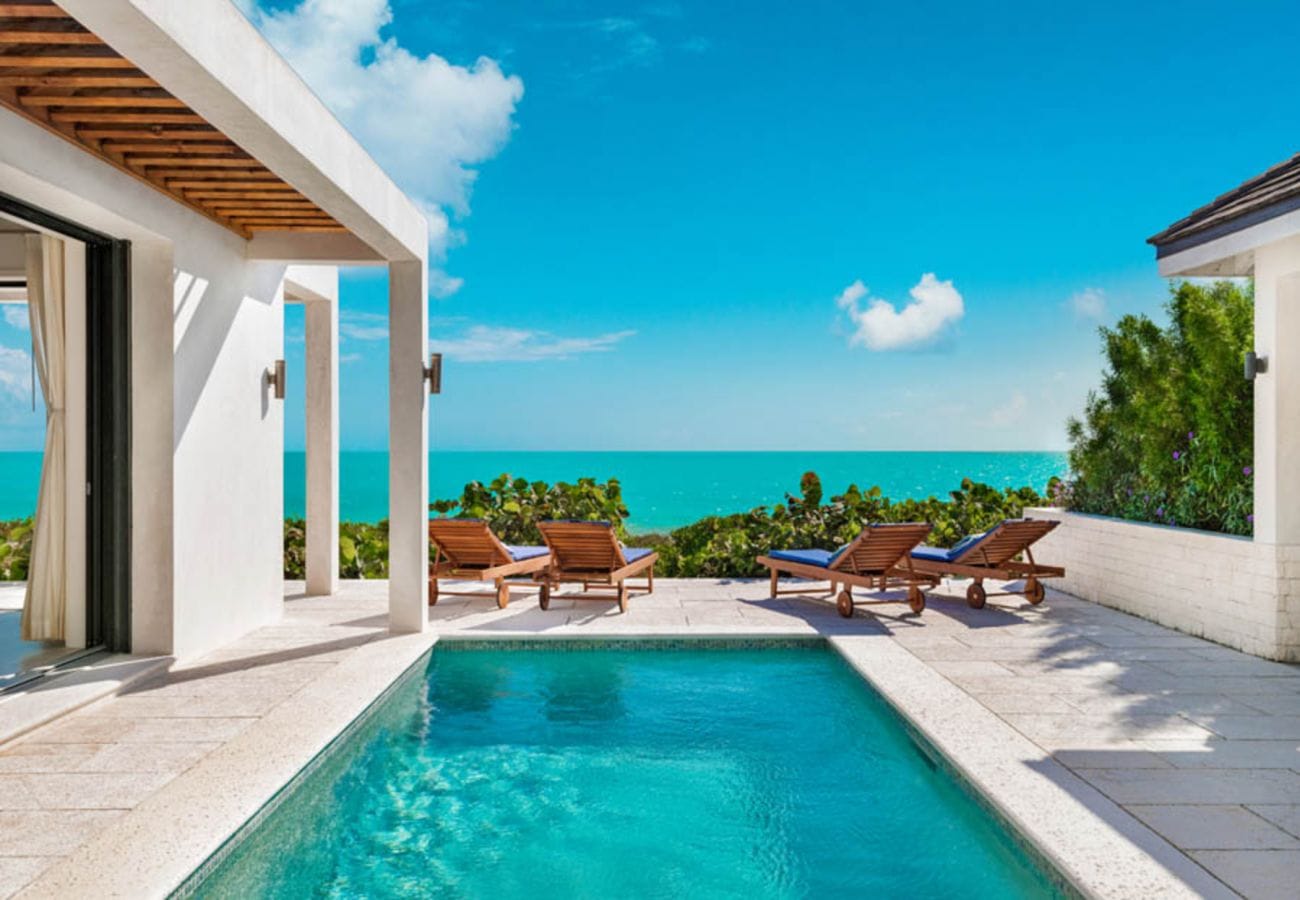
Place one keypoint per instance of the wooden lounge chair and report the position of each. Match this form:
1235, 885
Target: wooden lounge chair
877, 558
467, 549
589, 552
994, 554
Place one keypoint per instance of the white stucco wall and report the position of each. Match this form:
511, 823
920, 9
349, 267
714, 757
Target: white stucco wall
207, 436
1232, 590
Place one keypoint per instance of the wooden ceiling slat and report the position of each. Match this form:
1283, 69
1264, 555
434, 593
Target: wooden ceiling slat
300, 229
161, 147
232, 190
250, 175
268, 214
236, 205
53, 38
31, 11
146, 118
188, 162
78, 81
275, 220
57, 74
64, 62
101, 101
150, 134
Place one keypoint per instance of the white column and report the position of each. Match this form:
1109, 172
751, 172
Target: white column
322, 439
1277, 412
408, 446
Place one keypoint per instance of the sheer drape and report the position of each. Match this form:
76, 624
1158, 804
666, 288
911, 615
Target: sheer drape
45, 607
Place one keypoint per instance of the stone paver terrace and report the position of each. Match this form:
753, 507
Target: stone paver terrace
1197, 746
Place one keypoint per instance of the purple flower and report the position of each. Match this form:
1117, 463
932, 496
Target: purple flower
1177, 454
1160, 511
1191, 435
1247, 471
1251, 518
1130, 492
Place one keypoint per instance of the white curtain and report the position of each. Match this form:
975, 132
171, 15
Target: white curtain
46, 603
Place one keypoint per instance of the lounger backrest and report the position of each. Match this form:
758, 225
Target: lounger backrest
583, 546
1005, 542
880, 548
468, 543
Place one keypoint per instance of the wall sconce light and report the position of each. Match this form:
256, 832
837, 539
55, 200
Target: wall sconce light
275, 377
1255, 365
433, 373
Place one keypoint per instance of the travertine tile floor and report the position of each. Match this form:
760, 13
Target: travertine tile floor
1198, 742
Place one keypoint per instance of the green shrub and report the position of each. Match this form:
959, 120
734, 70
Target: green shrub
726, 546
514, 506
1169, 436
15, 549
713, 547
363, 549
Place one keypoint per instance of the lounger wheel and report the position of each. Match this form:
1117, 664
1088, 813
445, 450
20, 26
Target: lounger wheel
503, 595
976, 596
916, 599
433, 592
1034, 591
844, 603
544, 596
622, 596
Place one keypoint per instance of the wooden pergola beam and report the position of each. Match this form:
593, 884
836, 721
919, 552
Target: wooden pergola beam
301, 229
78, 81
31, 11
145, 118
192, 162
64, 62
101, 101
62, 77
54, 38
161, 147
233, 190
150, 134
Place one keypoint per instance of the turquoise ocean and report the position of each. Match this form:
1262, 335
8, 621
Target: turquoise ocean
662, 490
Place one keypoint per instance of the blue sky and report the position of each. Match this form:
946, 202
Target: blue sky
649, 210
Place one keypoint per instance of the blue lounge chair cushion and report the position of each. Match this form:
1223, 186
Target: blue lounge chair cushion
632, 554
951, 554
820, 558
518, 554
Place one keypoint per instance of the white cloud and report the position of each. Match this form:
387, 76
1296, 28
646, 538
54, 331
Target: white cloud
1089, 303
935, 305
1011, 412
485, 343
15, 373
426, 121
363, 326
16, 315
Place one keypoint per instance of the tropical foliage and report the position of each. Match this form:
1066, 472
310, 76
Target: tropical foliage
15, 549
717, 546
1168, 437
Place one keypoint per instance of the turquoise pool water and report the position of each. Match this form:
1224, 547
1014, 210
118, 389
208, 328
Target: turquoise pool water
617, 773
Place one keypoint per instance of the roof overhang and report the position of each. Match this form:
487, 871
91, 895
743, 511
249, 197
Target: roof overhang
1230, 253
190, 98
1219, 239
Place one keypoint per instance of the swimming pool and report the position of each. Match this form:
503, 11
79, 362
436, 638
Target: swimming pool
580, 771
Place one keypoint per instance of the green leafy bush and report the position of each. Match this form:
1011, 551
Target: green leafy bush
514, 506
713, 547
363, 549
15, 549
1169, 436
725, 546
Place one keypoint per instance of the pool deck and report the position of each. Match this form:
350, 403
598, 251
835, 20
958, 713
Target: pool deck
1142, 761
